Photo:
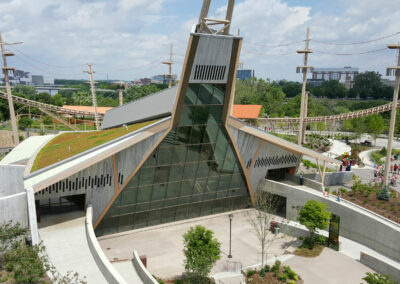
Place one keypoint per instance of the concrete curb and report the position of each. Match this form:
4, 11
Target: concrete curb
109, 272
380, 266
144, 274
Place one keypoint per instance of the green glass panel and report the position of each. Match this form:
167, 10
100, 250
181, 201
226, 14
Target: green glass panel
202, 171
127, 209
162, 174
205, 94
206, 208
140, 220
212, 183
179, 154
187, 187
212, 132
144, 194
190, 170
215, 115
181, 213
193, 154
134, 182
164, 156
176, 173
191, 96
159, 191
174, 189
152, 160
125, 223
236, 181
146, 176
199, 114
128, 196
186, 116
184, 134
197, 134
218, 95
206, 152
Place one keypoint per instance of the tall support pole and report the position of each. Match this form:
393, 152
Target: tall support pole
396, 71
169, 63
120, 91
303, 69
303, 139
94, 100
229, 13
6, 71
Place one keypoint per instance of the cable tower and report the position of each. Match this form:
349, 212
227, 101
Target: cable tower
6, 70
392, 70
94, 100
303, 69
169, 63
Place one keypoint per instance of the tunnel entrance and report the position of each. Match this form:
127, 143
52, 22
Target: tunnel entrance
60, 205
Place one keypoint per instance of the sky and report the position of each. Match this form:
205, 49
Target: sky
128, 39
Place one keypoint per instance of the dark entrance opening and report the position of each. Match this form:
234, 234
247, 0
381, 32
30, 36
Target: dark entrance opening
60, 205
276, 204
334, 228
277, 174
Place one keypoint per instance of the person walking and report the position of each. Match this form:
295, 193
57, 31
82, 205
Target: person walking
301, 179
395, 168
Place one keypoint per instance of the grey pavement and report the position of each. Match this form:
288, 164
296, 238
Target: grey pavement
66, 245
163, 244
331, 267
127, 270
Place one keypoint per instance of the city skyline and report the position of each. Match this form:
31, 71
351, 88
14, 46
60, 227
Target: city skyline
129, 39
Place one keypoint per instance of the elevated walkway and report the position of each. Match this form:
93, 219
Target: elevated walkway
66, 244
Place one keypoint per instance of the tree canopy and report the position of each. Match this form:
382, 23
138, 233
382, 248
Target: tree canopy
314, 215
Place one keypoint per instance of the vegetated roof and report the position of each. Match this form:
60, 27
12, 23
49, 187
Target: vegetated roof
101, 110
153, 106
70, 144
246, 111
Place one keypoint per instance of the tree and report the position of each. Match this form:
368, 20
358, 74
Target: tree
47, 120
202, 251
314, 215
82, 98
266, 205
25, 122
376, 125
368, 85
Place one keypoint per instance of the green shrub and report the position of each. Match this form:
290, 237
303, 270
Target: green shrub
262, 273
376, 278
250, 272
292, 282
276, 267
159, 280
342, 190
282, 277
292, 274
250, 279
267, 268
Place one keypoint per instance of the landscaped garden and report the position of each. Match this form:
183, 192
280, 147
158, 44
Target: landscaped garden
377, 156
367, 196
273, 275
69, 144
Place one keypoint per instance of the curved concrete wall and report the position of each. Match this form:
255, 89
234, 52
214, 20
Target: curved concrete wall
109, 272
356, 223
144, 274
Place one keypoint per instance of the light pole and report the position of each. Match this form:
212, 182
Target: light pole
230, 235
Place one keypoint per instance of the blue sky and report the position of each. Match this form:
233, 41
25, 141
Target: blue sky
127, 39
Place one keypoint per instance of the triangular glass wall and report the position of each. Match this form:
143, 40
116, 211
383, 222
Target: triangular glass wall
193, 172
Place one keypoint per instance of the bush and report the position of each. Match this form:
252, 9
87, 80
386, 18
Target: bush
292, 282
292, 275
276, 267
267, 268
343, 190
376, 278
251, 272
262, 273
282, 277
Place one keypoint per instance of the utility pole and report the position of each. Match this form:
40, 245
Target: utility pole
6, 71
304, 117
303, 69
393, 70
169, 63
94, 100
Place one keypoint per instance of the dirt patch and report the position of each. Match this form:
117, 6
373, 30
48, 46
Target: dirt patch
305, 252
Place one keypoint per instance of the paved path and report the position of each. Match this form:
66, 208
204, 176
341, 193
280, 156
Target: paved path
337, 148
127, 270
163, 244
66, 244
331, 267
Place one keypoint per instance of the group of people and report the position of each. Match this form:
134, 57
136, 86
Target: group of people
393, 174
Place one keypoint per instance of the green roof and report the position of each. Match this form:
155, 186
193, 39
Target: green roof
69, 144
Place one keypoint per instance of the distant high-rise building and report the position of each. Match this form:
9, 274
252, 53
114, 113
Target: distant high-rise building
244, 74
37, 80
163, 79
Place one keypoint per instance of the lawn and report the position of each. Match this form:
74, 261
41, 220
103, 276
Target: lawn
67, 145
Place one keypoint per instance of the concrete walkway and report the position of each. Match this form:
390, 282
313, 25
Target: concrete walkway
331, 267
66, 244
127, 271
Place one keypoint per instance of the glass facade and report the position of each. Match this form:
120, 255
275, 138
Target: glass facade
193, 172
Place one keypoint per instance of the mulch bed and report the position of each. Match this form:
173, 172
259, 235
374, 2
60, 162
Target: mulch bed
269, 279
388, 209
305, 252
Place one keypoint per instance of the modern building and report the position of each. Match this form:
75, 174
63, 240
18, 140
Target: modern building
191, 159
244, 74
344, 75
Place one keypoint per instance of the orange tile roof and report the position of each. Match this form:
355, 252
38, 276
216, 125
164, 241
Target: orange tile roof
101, 110
246, 111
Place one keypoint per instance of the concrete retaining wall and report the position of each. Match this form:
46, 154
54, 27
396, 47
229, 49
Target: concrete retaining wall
144, 274
11, 179
336, 178
356, 224
14, 208
380, 266
109, 272
307, 182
